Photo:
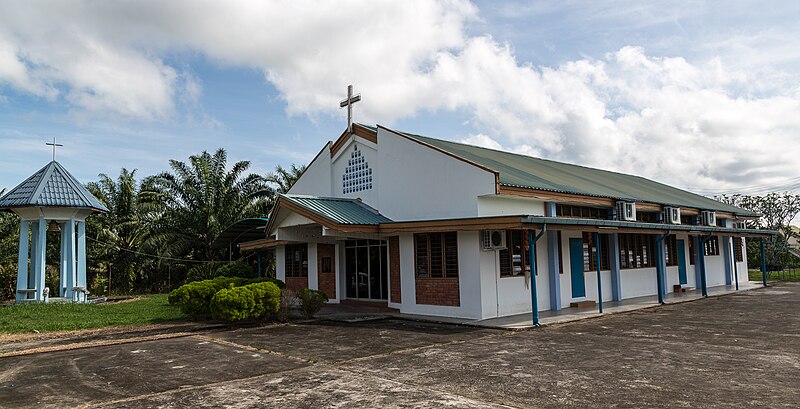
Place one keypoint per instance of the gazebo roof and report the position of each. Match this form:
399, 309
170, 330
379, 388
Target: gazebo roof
51, 186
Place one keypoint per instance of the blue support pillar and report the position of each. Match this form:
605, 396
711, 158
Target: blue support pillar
735, 266
80, 280
553, 268
616, 279
69, 229
41, 260
22, 261
532, 257
599, 276
657, 242
763, 264
698, 254
702, 264
726, 256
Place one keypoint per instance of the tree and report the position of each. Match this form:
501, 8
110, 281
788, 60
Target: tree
285, 178
777, 210
120, 233
201, 198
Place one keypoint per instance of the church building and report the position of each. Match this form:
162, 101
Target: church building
439, 228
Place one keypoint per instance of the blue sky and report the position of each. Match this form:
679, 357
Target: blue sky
702, 95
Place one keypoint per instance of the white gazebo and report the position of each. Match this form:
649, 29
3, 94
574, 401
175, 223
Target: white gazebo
51, 200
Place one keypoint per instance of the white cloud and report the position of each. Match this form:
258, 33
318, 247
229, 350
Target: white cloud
699, 122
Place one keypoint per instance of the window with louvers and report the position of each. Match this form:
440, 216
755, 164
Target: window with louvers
737, 249
514, 259
636, 251
436, 255
296, 260
590, 257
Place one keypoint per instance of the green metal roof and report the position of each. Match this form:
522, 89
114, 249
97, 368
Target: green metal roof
339, 210
535, 173
53, 186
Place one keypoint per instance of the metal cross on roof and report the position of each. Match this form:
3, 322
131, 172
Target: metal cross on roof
351, 99
54, 145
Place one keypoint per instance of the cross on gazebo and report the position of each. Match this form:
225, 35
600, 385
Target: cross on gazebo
351, 99
54, 145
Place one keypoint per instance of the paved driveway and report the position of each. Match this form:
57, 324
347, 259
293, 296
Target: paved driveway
736, 350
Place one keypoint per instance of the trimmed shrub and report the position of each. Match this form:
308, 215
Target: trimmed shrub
252, 301
195, 298
311, 301
234, 304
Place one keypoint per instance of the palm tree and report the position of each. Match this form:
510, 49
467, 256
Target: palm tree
200, 199
121, 232
285, 178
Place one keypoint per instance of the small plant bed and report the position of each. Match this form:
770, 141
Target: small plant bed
144, 310
235, 299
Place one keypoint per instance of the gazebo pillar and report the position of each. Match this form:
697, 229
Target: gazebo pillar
22, 262
80, 280
41, 260
69, 247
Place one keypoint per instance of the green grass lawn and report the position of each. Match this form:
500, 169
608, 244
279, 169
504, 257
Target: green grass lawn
151, 309
785, 275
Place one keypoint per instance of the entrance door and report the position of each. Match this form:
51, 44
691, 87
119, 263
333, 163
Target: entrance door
682, 263
576, 265
366, 269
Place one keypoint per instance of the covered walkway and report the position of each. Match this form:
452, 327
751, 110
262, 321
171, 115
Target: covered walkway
521, 321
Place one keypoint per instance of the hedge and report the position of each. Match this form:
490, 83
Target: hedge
252, 301
195, 298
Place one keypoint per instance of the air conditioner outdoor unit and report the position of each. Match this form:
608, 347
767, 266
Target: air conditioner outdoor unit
672, 215
494, 240
709, 218
626, 211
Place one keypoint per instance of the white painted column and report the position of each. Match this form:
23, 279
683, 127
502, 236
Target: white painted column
31, 284
280, 263
62, 276
313, 274
22, 261
41, 260
69, 282
80, 280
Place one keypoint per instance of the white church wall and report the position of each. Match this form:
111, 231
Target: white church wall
638, 282
489, 292
280, 263
715, 269
316, 180
494, 205
416, 182
357, 161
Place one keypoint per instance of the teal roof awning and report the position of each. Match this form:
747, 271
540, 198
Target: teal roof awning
242, 231
339, 210
51, 186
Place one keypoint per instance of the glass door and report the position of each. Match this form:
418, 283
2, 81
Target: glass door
366, 265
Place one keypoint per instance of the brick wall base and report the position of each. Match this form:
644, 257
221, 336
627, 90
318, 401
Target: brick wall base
438, 291
296, 283
327, 280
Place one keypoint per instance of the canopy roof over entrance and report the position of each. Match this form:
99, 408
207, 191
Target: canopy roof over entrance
242, 231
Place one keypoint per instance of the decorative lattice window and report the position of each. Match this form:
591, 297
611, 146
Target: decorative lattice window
358, 175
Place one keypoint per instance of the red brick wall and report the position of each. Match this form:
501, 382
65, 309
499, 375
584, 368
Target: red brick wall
394, 269
438, 291
327, 281
296, 283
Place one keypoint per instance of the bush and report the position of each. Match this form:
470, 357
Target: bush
238, 268
195, 298
311, 301
252, 301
